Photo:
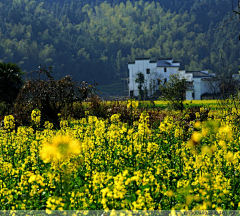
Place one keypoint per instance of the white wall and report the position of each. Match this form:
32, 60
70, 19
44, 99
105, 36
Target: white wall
197, 88
189, 95
141, 66
188, 76
165, 75
202, 87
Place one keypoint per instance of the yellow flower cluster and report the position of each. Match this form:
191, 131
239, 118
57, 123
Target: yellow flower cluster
9, 122
92, 163
61, 148
115, 118
55, 203
132, 104
36, 116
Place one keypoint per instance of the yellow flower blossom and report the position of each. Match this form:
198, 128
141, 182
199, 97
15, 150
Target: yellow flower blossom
197, 124
61, 148
36, 116
229, 156
196, 137
9, 122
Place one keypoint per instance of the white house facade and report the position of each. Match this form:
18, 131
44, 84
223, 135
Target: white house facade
145, 66
200, 82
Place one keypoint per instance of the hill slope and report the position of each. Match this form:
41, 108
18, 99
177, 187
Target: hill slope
94, 40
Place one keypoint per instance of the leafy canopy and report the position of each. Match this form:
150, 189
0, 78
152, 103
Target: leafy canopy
174, 90
10, 81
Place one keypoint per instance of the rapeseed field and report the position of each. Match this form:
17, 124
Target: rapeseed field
93, 163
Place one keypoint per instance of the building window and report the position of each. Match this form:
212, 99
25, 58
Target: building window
165, 80
165, 69
131, 93
148, 71
193, 95
159, 81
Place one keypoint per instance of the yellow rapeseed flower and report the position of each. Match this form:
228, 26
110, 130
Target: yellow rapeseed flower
189, 199
170, 193
9, 122
115, 118
222, 144
197, 124
206, 150
229, 156
196, 137
36, 116
61, 148
132, 104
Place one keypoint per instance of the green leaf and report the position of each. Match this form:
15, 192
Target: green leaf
131, 198
144, 187
93, 206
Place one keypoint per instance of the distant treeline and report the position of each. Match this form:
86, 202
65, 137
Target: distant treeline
94, 40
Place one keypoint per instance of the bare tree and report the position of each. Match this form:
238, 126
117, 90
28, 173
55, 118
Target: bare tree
215, 86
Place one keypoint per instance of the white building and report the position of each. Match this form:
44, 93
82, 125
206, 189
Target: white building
200, 82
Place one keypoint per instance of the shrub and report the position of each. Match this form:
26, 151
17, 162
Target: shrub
10, 82
51, 97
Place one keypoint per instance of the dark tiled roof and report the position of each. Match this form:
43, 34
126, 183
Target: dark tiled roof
210, 79
199, 74
139, 59
164, 63
142, 59
161, 63
166, 59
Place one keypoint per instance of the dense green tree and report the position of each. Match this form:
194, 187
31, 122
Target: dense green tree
140, 81
94, 39
174, 91
10, 81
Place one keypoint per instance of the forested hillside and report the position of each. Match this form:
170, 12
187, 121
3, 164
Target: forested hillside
94, 40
